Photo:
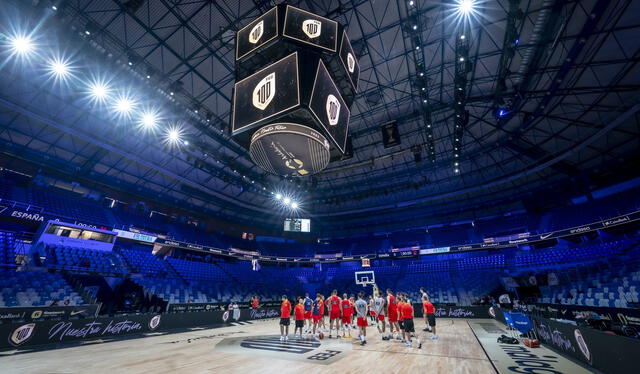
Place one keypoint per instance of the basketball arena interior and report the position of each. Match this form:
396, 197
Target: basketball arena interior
344, 186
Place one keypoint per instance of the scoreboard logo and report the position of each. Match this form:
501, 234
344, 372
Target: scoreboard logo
264, 92
312, 28
256, 32
333, 110
351, 63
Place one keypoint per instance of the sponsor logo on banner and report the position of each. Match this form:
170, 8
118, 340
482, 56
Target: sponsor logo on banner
154, 322
582, 345
518, 241
580, 229
289, 159
21, 334
464, 247
544, 236
76, 312
256, 32
10, 315
492, 312
616, 221
351, 63
333, 110
225, 316
36, 314
264, 91
312, 28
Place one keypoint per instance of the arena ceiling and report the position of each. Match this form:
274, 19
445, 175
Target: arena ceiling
551, 91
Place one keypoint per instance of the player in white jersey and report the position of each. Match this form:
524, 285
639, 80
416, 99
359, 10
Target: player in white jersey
378, 308
361, 311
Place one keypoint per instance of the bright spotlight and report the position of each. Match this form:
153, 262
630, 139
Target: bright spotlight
149, 120
21, 44
294, 205
173, 135
286, 200
59, 68
278, 196
124, 105
99, 91
466, 6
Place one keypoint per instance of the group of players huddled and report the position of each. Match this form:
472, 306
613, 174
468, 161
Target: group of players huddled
396, 310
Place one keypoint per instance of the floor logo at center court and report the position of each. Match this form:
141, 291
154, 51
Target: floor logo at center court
301, 350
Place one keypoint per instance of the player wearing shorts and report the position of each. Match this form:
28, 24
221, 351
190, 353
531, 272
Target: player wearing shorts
315, 313
285, 316
429, 315
308, 309
347, 312
372, 312
361, 312
392, 313
335, 311
379, 310
407, 321
400, 316
299, 313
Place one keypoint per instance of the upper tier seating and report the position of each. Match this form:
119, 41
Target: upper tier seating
85, 260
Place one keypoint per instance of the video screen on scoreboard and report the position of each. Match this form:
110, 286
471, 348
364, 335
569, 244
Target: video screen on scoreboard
297, 225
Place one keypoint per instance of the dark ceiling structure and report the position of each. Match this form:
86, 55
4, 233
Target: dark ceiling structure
495, 107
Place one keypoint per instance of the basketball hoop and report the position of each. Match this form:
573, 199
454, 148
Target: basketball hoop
365, 277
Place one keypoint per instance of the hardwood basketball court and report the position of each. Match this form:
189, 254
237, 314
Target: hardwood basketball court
209, 351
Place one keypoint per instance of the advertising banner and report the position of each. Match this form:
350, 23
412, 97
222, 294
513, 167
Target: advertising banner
623, 316
27, 334
606, 352
29, 314
455, 311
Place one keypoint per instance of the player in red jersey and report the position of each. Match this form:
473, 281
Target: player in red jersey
285, 316
406, 310
429, 315
352, 303
335, 310
392, 313
400, 304
347, 312
299, 313
316, 315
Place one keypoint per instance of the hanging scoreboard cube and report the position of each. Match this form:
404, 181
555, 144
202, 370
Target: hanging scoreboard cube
297, 90
296, 78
